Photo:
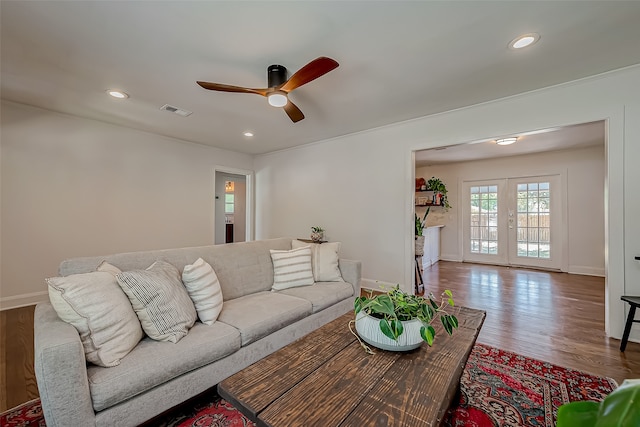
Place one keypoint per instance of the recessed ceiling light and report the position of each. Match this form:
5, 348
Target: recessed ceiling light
524, 40
117, 93
248, 134
506, 141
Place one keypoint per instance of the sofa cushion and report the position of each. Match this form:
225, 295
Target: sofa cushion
204, 290
291, 268
160, 300
96, 306
259, 314
243, 268
322, 294
153, 363
324, 260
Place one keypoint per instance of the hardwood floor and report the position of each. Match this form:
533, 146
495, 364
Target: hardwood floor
555, 317
17, 376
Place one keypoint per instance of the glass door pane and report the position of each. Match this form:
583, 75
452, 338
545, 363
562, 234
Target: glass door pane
534, 224
484, 219
484, 231
535, 202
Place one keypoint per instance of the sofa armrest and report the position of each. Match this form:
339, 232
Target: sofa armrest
61, 371
351, 272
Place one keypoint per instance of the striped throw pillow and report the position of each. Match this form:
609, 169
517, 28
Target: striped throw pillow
160, 300
204, 289
291, 268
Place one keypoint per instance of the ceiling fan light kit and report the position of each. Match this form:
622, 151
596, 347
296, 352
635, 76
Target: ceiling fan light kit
277, 99
280, 86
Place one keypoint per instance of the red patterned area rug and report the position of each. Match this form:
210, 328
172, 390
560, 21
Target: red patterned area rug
498, 388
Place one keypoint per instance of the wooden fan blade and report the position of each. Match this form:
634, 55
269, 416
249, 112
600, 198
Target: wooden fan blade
293, 112
228, 88
314, 69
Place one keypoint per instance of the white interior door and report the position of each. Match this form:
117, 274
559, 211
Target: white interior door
514, 221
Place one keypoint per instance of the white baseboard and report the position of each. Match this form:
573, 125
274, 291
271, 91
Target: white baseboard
23, 300
376, 285
450, 257
587, 271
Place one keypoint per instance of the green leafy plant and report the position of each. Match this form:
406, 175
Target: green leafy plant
620, 409
436, 185
317, 229
396, 306
420, 223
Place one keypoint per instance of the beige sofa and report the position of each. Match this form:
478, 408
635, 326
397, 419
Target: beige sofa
156, 375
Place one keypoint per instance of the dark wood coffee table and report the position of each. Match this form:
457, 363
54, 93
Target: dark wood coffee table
326, 379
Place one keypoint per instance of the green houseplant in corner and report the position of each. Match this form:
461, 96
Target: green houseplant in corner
398, 321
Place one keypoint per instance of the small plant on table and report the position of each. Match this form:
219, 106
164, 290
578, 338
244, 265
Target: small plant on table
395, 308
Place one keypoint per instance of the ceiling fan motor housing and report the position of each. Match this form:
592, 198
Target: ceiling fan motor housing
276, 75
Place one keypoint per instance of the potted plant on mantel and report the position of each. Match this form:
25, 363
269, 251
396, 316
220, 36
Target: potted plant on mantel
398, 321
437, 186
317, 234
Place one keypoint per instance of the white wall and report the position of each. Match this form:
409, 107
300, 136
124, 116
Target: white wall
75, 187
585, 172
360, 187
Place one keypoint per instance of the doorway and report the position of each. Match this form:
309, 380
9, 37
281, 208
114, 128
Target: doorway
514, 221
232, 211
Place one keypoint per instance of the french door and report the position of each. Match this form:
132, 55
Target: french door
514, 221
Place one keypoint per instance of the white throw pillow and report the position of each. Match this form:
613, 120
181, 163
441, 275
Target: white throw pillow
324, 260
160, 300
96, 306
291, 268
204, 289
109, 268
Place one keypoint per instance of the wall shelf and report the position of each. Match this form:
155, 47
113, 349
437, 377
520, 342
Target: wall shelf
424, 200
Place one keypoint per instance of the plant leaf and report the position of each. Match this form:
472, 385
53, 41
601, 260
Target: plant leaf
450, 302
386, 329
453, 320
580, 413
433, 304
384, 305
426, 312
428, 334
359, 303
396, 328
446, 324
448, 293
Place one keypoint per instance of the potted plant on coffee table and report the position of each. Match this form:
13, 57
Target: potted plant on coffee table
398, 321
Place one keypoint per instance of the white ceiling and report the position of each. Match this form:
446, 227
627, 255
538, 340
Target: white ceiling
563, 138
398, 60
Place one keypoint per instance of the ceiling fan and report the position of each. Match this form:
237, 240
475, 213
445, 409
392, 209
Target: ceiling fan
279, 86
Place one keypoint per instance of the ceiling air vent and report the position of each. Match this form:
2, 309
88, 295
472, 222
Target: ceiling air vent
176, 110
